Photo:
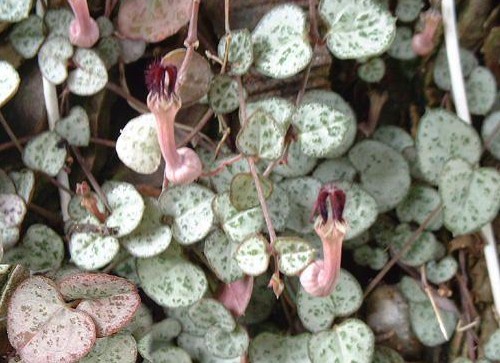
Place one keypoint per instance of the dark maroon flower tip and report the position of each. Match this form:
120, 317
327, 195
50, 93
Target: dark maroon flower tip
337, 199
160, 79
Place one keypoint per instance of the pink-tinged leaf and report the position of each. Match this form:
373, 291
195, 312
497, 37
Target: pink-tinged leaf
110, 300
236, 295
152, 21
42, 329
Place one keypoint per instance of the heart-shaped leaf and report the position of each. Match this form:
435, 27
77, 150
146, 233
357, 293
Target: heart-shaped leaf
24, 182
191, 207
227, 345
106, 27
409, 10
42, 329
237, 225
159, 334
58, 22
223, 94
471, 197
53, 58
267, 347
13, 11
222, 181
6, 184
131, 49
90, 76
321, 128
77, 211
169, 354
357, 29
109, 51
152, 237
401, 47
279, 208
111, 301
297, 163
92, 251
208, 313
411, 290
372, 71
243, 193
160, 276
45, 153
349, 342
491, 137
240, 55
119, 348
385, 354
75, 127
394, 136
261, 136
441, 73
140, 324
491, 348
335, 170
384, 174
481, 91
278, 108
220, 252
294, 254
127, 207
420, 202
12, 210
27, 36
253, 256
374, 257
442, 271
137, 146
9, 236
9, 82
152, 21
41, 250
318, 313
280, 42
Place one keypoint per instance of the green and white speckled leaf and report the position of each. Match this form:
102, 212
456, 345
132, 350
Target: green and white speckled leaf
302, 193
383, 230
6, 184
8, 235
53, 59
75, 127
279, 208
411, 290
140, 324
481, 91
191, 207
76, 211
374, 257
425, 325
227, 345
106, 27
411, 156
223, 94
385, 354
44, 153
222, 180
355, 242
243, 193
321, 128
492, 346
261, 137
159, 334
357, 28
92, 251
294, 253
318, 313
169, 354
372, 71
24, 182
90, 76
220, 252
281, 42
132, 49
401, 46
12, 11
58, 22
253, 256
27, 36
419, 203
442, 271
267, 347
9, 82
297, 163
127, 207
425, 248
335, 170
442, 70
160, 276
119, 348
152, 236
384, 172
349, 342
237, 225
471, 197
394, 136
12, 210
137, 146
126, 267
261, 303
491, 135
109, 51
42, 250
207, 313
240, 56
409, 10
280, 109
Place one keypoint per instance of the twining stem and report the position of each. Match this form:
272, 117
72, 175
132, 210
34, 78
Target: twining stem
226, 16
11, 134
136, 104
223, 165
406, 247
199, 126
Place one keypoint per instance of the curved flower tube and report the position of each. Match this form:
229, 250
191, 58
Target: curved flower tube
83, 30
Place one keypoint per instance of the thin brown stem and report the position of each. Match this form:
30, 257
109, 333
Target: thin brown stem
9, 145
223, 165
136, 104
56, 183
103, 142
52, 217
199, 126
430, 295
226, 16
11, 134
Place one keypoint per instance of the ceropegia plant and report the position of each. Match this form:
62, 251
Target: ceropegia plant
243, 203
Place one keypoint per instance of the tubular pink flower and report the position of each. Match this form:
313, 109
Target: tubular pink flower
423, 43
83, 30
